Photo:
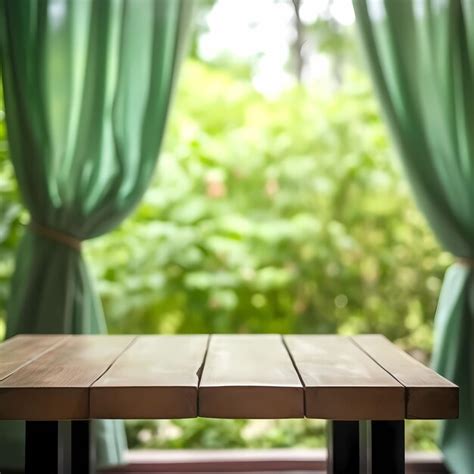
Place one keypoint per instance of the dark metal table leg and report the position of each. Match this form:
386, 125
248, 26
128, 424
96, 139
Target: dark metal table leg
64, 447
41, 447
388, 447
365, 448
343, 447
82, 448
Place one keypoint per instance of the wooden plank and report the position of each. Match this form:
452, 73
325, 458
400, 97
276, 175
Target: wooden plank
156, 377
24, 348
342, 382
429, 396
249, 376
56, 385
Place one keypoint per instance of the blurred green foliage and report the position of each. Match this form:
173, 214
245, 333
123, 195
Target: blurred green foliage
218, 434
11, 216
286, 215
256, 434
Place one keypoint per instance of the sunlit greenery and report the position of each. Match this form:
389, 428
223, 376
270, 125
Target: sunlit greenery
256, 434
272, 216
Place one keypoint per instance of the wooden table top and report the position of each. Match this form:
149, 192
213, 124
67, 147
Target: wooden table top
366, 377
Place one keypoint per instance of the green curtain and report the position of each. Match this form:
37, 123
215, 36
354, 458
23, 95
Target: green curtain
87, 84
421, 56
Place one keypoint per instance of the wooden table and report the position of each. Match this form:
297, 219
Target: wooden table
364, 385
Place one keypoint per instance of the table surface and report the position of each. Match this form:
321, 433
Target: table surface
365, 377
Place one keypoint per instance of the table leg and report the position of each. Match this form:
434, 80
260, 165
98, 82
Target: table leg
64, 447
365, 447
343, 447
82, 448
387, 441
41, 447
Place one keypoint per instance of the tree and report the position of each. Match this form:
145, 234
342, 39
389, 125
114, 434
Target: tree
298, 43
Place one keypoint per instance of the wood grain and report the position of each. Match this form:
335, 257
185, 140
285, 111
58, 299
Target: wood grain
61, 377
429, 396
342, 382
156, 377
249, 376
55, 386
20, 350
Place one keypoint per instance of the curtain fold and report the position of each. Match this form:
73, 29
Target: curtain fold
87, 85
421, 57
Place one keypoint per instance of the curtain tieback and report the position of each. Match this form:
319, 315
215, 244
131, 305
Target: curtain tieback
466, 261
56, 235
